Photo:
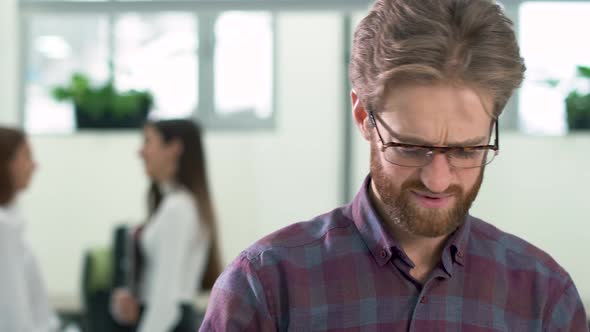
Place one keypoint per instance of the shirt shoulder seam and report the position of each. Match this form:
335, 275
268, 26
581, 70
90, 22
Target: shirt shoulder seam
268, 297
256, 256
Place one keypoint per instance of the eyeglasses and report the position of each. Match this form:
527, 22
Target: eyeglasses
411, 155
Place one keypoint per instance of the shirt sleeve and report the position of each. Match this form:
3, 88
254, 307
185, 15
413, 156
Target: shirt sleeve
238, 301
15, 309
568, 314
174, 240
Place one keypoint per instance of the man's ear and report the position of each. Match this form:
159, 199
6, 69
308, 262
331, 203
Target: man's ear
360, 116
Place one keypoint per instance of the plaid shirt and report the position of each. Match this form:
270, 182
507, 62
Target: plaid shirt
342, 272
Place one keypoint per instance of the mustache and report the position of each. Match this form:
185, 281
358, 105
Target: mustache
419, 186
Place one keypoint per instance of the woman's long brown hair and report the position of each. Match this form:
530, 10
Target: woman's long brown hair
192, 174
10, 140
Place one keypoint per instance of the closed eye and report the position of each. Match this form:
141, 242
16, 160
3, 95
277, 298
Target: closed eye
412, 151
466, 154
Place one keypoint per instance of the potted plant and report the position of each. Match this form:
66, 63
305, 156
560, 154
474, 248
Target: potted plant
103, 106
577, 104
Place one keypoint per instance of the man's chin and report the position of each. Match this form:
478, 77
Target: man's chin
432, 222
433, 227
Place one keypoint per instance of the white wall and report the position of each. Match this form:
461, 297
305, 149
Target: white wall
261, 181
537, 189
84, 185
8, 62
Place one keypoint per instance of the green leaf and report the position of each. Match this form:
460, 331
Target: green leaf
99, 100
578, 110
584, 71
61, 94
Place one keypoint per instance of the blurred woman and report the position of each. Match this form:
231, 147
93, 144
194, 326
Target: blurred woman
178, 250
24, 306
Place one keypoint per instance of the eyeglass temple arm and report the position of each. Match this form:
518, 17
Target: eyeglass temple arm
374, 124
372, 118
497, 140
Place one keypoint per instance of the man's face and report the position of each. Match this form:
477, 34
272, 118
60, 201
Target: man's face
432, 200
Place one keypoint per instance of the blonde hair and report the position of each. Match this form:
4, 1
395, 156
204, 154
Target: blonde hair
469, 42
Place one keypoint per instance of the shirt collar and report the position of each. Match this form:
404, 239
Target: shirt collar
9, 208
10, 214
167, 187
382, 246
370, 227
456, 246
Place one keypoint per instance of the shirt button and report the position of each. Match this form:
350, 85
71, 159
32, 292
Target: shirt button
383, 253
423, 299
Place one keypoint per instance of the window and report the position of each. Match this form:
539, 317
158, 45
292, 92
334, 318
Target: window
159, 52
216, 66
243, 64
55, 51
553, 39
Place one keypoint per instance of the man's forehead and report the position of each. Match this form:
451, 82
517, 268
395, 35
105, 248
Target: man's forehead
436, 118
437, 107
439, 98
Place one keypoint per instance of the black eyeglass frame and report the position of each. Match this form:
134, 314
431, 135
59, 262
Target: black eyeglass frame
439, 149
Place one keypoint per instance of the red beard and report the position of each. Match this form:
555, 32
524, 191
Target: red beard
401, 209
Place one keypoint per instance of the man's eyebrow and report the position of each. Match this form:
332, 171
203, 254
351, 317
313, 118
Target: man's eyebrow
415, 140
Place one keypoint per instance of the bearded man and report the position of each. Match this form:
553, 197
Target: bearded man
430, 79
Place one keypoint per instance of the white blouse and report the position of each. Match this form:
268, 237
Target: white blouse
24, 306
175, 246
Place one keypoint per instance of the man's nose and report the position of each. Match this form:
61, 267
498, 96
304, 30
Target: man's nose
437, 175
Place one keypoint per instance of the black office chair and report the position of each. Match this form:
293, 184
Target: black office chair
103, 270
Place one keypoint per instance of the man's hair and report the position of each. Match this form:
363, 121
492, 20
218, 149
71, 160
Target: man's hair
10, 140
464, 42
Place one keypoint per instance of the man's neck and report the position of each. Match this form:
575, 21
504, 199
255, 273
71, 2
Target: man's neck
425, 252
